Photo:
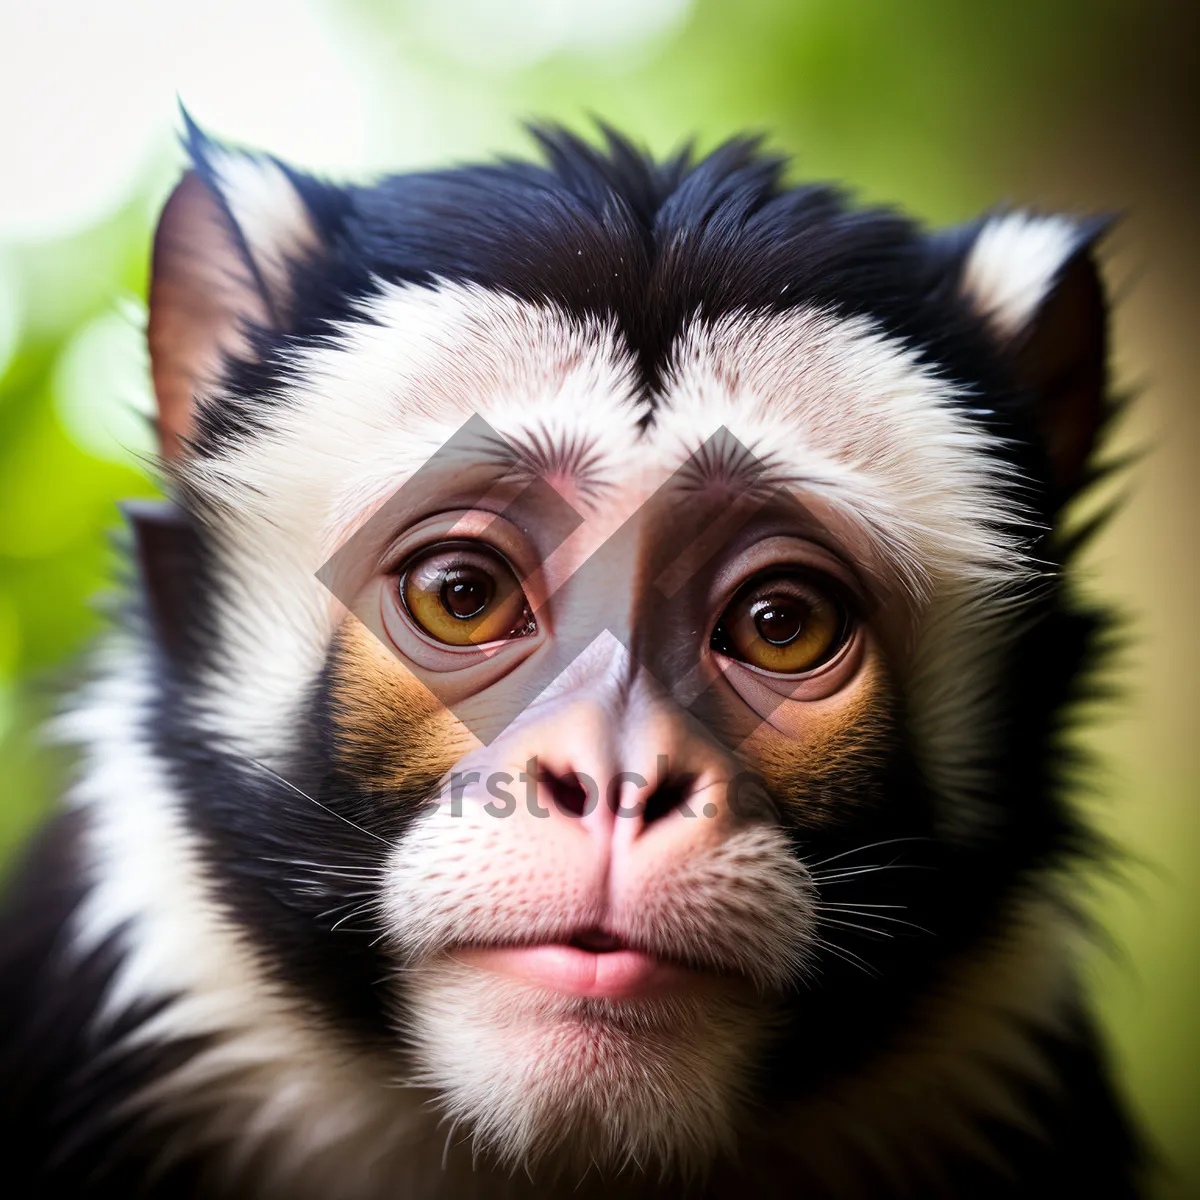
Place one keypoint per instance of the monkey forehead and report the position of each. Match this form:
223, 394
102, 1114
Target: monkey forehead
817, 403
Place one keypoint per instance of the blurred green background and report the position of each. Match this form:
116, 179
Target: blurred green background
945, 108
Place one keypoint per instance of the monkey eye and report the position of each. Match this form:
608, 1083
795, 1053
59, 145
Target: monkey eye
464, 594
788, 623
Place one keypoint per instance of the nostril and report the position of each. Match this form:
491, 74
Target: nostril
567, 791
667, 797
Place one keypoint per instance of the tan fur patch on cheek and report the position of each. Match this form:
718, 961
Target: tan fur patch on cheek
833, 767
392, 731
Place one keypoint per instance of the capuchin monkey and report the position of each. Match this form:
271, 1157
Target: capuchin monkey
594, 713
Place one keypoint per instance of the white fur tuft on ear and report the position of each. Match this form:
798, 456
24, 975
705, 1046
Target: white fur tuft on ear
223, 252
273, 220
1013, 265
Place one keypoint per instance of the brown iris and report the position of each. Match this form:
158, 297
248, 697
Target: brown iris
787, 624
464, 596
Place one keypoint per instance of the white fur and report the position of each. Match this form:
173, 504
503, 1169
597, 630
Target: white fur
533, 1076
269, 212
857, 420
654, 1081
742, 903
1013, 264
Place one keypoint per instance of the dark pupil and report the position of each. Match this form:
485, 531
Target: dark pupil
466, 593
778, 622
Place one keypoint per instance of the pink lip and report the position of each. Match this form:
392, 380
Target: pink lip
611, 974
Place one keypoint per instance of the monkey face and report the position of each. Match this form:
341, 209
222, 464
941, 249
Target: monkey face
553, 633
607, 886
598, 688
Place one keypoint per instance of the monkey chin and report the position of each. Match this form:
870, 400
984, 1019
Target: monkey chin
568, 1083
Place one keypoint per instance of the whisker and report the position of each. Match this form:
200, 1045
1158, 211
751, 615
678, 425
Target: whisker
848, 872
324, 807
360, 911
449, 1139
847, 956
852, 925
852, 872
856, 910
350, 899
868, 846
361, 873
332, 884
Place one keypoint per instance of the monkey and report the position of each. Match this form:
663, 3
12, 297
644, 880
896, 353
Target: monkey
594, 712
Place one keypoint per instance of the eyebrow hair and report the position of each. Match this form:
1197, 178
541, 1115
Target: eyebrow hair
723, 460
535, 452
723, 463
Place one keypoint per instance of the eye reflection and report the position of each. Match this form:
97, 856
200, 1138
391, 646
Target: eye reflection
464, 594
788, 623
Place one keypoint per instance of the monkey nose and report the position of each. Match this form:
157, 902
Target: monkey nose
625, 796
627, 774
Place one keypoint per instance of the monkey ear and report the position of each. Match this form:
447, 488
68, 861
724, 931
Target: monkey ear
1036, 283
221, 271
167, 551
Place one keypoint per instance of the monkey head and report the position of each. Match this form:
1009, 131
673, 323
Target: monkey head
606, 648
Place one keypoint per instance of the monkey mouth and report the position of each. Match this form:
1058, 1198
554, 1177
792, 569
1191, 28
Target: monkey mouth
592, 963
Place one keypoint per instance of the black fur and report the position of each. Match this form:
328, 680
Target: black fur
63, 1074
605, 232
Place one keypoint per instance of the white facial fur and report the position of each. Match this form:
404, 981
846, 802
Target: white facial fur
532, 1075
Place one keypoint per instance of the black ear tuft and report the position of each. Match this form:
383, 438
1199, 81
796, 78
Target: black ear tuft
1062, 358
167, 549
1036, 282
